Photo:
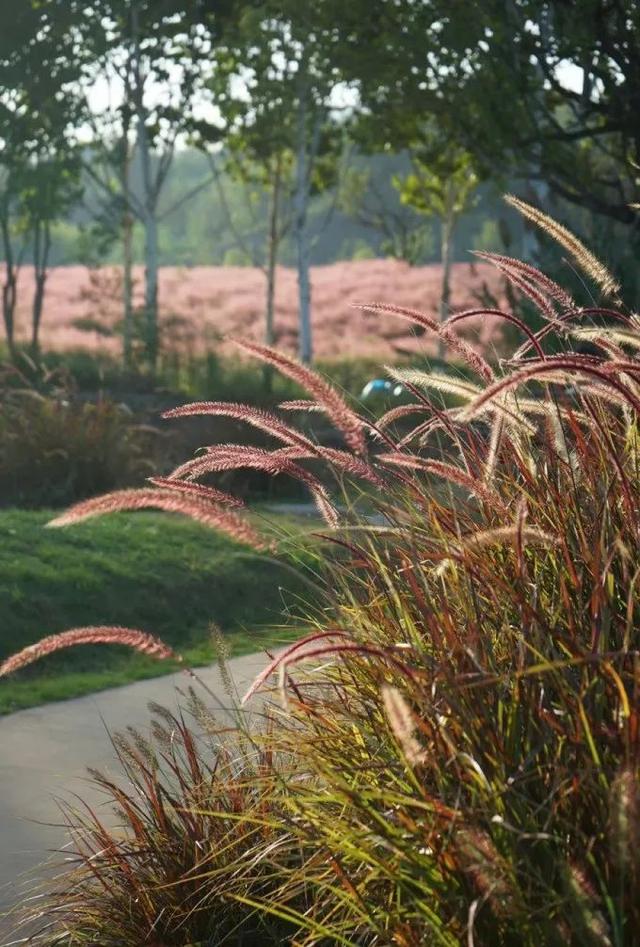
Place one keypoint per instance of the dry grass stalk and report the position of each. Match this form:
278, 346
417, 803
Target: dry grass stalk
402, 724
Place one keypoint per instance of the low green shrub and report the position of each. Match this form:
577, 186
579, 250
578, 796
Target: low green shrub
461, 724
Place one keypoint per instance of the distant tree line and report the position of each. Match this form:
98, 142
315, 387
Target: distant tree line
228, 222
283, 100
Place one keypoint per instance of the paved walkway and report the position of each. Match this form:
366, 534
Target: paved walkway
44, 754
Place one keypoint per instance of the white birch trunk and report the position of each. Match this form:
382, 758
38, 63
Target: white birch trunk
272, 254
301, 205
127, 228
150, 224
127, 288
446, 258
149, 201
151, 286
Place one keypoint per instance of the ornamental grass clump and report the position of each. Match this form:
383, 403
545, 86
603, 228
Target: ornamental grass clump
461, 720
198, 826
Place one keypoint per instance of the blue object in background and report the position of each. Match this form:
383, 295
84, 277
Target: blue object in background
379, 386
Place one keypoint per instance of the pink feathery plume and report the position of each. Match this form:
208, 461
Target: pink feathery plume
583, 365
325, 507
351, 464
539, 300
340, 651
286, 654
223, 457
170, 502
446, 472
465, 351
263, 420
100, 634
499, 314
509, 265
198, 490
570, 316
346, 420
400, 411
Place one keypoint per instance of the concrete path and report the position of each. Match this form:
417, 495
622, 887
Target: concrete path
44, 754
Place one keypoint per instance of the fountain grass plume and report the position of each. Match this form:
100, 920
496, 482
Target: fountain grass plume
345, 419
170, 501
132, 638
585, 259
263, 420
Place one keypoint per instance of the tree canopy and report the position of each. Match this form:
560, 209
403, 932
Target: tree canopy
530, 93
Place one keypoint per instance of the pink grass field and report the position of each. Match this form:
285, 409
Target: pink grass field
200, 306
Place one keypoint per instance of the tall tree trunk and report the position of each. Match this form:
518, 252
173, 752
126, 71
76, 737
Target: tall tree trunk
9, 299
301, 204
127, 229
10, 285
127, 289
272, 255
446, 259
42, 246
272, 261
151, 288
304, 297
149, 219
537, 189
150, 224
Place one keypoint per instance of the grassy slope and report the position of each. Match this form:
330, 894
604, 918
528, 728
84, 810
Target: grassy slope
150, 571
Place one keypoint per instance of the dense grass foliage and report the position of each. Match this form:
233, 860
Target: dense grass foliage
454, 746
162, 574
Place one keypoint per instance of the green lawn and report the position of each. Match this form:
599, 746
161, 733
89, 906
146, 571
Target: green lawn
151, 571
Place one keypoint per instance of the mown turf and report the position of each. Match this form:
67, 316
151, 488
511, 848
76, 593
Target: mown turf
151, 571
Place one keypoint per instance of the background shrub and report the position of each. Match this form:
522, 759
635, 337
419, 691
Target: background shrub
54, 450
